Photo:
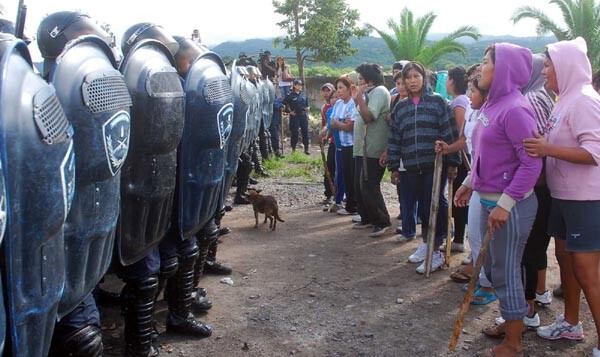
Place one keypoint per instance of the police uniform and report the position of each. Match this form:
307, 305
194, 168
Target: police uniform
296, 104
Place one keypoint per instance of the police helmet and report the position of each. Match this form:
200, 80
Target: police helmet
7, 26
145, 31
61, 27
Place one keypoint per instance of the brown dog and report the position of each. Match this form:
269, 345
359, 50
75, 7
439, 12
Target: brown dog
266, 205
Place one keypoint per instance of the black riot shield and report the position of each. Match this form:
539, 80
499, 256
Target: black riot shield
96, 101
238, 128
253, 115
2, 227
39, 170
268, 100
208, 124
148, 175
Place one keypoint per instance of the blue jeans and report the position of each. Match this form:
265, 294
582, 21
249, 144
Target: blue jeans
339, 177
416, 187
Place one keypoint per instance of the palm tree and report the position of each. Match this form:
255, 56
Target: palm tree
408, 38
581, 17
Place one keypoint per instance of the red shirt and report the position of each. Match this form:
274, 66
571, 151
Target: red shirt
324, 110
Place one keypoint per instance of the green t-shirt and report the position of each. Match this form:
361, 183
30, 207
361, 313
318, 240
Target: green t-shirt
377, 134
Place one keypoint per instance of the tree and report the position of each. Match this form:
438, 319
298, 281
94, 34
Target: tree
319, 30
408, 38
581, 17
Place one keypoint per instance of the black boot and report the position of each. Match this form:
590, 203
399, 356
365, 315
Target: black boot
208, 235
257, 160
242, 176
179, 298
138, 312
213, 266
106, 298
86, 342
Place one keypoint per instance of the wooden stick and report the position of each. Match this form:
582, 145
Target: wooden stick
433, 212
449, 239
326, 169
466, 303
465, 160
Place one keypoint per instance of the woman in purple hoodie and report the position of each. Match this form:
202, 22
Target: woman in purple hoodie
504, 176
572, 151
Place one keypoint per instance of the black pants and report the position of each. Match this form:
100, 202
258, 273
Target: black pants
370, 203
348, 173
299, 122
274, 130
331, 168
534, 257
460, 214
263, 145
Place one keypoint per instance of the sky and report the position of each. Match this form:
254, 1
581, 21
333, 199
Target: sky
237, 20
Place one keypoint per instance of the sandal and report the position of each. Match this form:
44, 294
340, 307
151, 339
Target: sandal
490, 352
483, 297
498, 331
494, 331
460, 277
465, 287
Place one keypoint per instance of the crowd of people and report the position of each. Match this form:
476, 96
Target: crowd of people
520, 139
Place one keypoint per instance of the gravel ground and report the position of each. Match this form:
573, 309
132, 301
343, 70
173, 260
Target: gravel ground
316, 287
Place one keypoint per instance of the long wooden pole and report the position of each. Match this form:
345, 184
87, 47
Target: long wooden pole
466, 303
326, 169
449, 235
433, 212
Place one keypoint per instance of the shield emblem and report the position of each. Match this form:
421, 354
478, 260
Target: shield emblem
116, 140
67, 176
225, 121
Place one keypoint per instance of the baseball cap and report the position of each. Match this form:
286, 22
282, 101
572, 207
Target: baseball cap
328, 86
298, 81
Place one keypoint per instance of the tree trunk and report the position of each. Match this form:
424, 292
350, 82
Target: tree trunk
300, 61
299, 58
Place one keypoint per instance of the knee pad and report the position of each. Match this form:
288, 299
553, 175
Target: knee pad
168, 267
188, 256
84, 342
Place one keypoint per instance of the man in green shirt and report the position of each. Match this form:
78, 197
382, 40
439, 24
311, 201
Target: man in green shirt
371, 132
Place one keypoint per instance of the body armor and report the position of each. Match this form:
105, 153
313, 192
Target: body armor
96, 101
39, 171
208, 125
148, 175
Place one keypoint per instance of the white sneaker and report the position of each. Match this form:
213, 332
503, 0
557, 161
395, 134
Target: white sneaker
343, 212
334, 208
401, 238
378, 231
356, 218
419, 255
561, 329
436, 263
360, 225
531, 323
595, 352
467, 260
544, 299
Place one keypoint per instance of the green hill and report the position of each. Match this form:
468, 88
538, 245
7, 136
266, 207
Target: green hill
373, 49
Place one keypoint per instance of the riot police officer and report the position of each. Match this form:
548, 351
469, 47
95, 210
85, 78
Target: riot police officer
148, 176
201, 159
36, 189
96, 101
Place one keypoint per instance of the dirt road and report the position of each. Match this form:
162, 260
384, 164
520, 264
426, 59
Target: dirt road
316, 287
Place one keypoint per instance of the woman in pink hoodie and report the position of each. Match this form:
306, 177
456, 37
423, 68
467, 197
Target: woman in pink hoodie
504, 176
572, 152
